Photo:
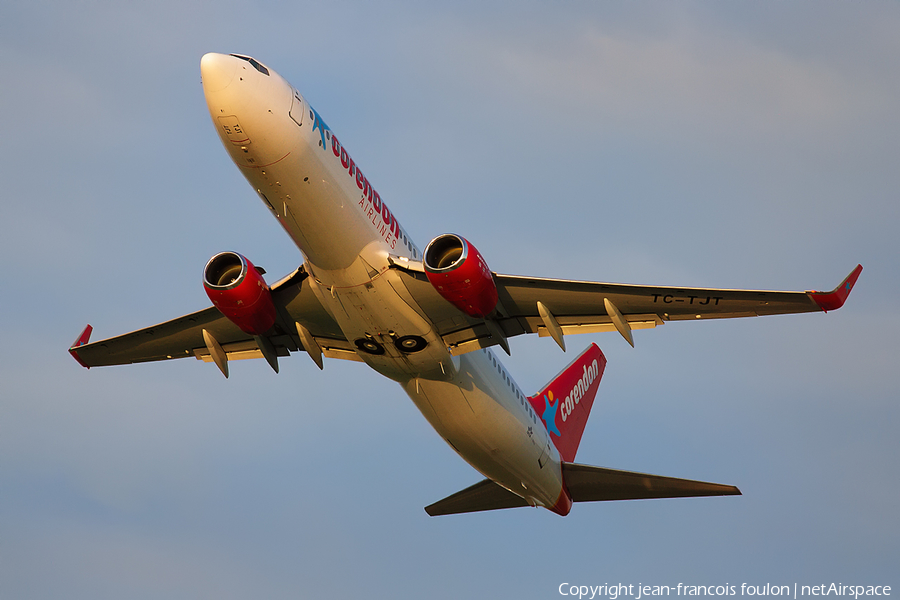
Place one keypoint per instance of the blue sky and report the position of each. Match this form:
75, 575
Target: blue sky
691, 143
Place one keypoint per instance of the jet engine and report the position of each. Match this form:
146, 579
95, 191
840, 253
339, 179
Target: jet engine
460, 274
238, 290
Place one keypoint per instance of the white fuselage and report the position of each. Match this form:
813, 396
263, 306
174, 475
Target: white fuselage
348, 235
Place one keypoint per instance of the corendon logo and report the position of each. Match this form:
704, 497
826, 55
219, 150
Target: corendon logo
319, 124
565, 403
370, 201
588, 375
549, 414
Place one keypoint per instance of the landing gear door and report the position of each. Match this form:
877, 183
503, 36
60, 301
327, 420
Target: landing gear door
297, 107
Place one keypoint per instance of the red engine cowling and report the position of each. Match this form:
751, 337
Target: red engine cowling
460, 274
239, 291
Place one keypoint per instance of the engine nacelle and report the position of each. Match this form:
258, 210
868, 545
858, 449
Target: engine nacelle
460, 274
239, 291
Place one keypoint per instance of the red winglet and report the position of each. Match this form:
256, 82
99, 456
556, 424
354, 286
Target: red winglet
83, 339
835, 299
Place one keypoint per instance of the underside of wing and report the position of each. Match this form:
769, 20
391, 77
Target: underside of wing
183, 337
591, 307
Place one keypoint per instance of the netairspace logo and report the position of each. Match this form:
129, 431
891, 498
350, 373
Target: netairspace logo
795, 591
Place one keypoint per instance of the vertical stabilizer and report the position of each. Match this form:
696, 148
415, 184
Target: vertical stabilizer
565, 403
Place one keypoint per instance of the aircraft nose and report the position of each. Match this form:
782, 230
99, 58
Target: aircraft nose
217, 71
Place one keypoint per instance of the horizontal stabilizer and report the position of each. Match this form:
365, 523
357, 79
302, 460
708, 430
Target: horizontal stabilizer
592, 484
484, 495
585, 484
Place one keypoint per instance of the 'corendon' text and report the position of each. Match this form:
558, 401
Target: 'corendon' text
370, 201
580, 389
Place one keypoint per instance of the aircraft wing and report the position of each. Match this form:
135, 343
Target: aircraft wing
592, 307
182, 337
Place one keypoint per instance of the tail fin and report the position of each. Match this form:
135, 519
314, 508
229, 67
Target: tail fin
565, 403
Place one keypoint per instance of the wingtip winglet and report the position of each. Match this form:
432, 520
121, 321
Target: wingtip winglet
83, 339
835, 299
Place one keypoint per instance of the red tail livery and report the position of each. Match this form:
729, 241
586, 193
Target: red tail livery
565, 403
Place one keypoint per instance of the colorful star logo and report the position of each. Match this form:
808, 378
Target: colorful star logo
549, 415
319, 124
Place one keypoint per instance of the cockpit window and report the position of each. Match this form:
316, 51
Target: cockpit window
254, 63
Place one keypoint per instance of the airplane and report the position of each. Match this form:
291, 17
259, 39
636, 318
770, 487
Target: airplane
427, 319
